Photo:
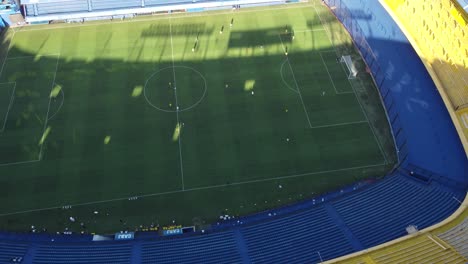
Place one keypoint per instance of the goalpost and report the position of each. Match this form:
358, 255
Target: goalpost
350, 66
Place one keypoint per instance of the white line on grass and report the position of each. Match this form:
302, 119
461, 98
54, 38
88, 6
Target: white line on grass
33, 56
309, 30
370, 125
295, 81
341, 124
331, 78
354, 91
8, 51
177, 109
18, 162
12, 98
196, 189
325, 28
342, 67
60, 107
329, 75
282, 78
48, 107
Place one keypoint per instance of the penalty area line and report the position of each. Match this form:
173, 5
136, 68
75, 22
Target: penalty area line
12, 99
19, 162
295, 82
8, 52
194, 189
34, 56
342, 124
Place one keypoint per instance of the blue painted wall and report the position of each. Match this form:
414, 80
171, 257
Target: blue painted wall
430, 139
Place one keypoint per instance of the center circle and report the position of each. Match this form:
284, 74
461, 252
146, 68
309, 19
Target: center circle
175, 89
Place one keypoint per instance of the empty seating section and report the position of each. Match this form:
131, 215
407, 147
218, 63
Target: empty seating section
389, 207
62, 7
212, 248
29, 9
305, 237
458, 237
441, 32
374, 215
419, 250
87, 253
164, 2
113, 4
11, 250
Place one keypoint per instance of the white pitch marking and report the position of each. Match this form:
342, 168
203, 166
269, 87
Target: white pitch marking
12, 98
8, 51
195, 189
329, 75
309, 30
61, 104
354, 91
48, 107
177, 108
33, 56
282, 78
295, 81
341, 124
19, 162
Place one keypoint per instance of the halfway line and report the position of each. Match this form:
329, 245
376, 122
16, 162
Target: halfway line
177, 108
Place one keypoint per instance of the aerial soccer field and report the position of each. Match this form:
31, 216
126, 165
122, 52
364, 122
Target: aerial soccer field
181, 117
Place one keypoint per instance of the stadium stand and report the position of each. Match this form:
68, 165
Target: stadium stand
439, 30
423, 249
211, 248
9, 251
310, 235
458, 238
345, 224
366, 212
315, 225
111, 4
56, 8
441, 39
163, 2
97, 253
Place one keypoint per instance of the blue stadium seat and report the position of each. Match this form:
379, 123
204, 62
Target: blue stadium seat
211, 248
112, 4
87, 253
66, 6
11, 250
389, 207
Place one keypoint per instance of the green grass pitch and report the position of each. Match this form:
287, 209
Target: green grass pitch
181, 117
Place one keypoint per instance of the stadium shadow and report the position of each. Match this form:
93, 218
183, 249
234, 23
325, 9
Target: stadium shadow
93, 76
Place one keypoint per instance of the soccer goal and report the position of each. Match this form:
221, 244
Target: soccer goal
352, 71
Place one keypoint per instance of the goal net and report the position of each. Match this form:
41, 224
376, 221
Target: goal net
352, 71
